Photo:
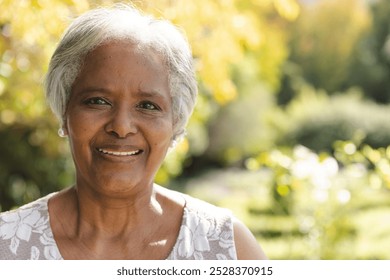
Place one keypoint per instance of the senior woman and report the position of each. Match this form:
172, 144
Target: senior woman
123, 87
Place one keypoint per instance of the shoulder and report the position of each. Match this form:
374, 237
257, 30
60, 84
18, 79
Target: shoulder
24, 212
22, 228
196, 211
207, 211
247, 246
212, 232
206, 232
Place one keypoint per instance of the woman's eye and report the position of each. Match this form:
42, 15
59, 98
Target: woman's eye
96, 101
148, 106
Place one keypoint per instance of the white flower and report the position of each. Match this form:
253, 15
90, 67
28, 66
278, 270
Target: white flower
226, 240
18, 226
52, 253
305, 164
309, 166
343, 196
221, 257
50, 250
35, 253
192, 238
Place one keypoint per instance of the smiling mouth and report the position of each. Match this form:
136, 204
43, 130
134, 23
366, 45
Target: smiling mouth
120, 154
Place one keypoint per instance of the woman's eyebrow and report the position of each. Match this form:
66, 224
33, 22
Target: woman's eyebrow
139, 93
92, 89
150, 94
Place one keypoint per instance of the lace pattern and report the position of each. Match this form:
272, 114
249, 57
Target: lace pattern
206, 232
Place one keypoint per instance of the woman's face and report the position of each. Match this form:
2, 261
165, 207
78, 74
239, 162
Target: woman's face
119, 118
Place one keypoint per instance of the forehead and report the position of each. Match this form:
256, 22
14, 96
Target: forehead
140, 53
124, 63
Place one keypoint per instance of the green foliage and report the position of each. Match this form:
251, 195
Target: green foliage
29, 168
316, 121
323, 39
327, 190
243, 119
370, 67
246, 39
335, 45
324, 205
33, 160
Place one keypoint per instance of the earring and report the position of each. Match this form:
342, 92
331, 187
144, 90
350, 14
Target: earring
61, 132
173, 143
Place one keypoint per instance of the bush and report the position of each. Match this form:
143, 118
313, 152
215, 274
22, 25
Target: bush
240, 128
32, 164
317, 121
336, 203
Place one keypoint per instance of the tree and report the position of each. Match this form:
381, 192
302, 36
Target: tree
370, 68
323, 41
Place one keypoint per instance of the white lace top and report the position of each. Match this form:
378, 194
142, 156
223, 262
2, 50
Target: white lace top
206, 233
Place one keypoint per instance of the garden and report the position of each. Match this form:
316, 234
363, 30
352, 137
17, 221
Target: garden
291, 129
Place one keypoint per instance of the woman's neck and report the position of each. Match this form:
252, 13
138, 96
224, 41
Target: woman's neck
87, 226
114, 215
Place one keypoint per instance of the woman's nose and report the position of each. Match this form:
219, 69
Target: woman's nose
121, 123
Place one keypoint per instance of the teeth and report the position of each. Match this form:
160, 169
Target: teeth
119, 153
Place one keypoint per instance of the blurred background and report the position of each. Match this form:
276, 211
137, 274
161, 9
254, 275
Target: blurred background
291, 129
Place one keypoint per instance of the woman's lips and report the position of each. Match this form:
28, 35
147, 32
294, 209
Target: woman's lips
119, 153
